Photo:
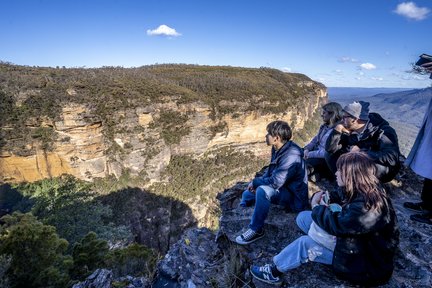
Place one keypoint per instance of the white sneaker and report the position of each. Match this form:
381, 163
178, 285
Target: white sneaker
248, 237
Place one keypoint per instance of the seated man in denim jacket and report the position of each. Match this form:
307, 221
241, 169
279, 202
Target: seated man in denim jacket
284, 182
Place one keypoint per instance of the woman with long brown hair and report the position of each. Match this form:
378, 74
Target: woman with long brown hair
314, 151
356, 231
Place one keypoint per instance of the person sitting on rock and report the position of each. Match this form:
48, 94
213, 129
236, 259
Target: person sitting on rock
364, 226
368, 132
314, 151
284, 182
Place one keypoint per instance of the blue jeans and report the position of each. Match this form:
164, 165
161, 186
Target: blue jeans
303, 249
263, 196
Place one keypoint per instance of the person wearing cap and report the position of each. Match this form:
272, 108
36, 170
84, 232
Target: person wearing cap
368, 132
419, 161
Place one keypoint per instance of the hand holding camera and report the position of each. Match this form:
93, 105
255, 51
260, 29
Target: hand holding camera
425, 62
325, 199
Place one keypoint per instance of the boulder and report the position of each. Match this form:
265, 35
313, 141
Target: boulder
203, 258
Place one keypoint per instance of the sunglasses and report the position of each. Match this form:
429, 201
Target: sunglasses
348, 116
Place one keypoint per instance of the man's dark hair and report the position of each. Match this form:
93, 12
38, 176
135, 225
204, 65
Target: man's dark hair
281, 129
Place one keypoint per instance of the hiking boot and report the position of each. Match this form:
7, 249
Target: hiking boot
423, 218
264, 274
416, 207
248, 237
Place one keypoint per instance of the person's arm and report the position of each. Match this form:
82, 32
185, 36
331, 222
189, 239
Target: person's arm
315, 141
320, 152
387, 153
310, 146
286, 169
351, 221
337, 140
427, 66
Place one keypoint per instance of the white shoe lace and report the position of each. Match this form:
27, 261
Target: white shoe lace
248, 234
266, 268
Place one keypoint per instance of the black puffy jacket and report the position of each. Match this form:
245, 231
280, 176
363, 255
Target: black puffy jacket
366, 241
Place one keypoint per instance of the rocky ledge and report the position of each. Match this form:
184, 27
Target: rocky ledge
202, 258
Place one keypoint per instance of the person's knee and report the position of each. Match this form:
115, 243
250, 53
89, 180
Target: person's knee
246, 193
301, 218
247, 199
264, 192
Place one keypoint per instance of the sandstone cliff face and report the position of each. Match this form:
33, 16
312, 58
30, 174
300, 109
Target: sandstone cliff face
185, 132
141, 140
79, 151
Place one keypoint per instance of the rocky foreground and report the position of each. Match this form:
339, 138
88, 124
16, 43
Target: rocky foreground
202, 258
205, 259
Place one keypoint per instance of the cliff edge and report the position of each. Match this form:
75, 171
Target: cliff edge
207, 259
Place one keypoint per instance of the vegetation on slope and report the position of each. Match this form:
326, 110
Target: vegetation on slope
80, 223
32, 96
54, 244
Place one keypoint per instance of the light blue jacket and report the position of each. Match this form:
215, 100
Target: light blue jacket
317, 145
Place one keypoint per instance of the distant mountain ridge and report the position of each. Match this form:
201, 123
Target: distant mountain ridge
338, 93
403, 109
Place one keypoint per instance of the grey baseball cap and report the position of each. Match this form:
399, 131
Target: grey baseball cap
358, 110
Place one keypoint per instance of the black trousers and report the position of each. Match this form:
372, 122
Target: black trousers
426, 194
319, 166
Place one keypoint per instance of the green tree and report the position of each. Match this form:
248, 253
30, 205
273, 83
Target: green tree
36, 251
88, 255
70, 206
136, 260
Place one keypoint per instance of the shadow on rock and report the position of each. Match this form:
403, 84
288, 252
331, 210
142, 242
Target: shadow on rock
155, 221
206, 259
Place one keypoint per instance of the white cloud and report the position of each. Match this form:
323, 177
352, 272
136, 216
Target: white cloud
163, 30
377, 78
347, 59
411, 11
368, 66
285, 69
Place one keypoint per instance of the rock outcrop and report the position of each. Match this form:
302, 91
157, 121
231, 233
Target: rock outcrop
209, 259
205, 258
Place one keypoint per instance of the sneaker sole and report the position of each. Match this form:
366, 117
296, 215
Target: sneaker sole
238, 240
266, 281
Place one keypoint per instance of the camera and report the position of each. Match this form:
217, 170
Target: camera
424, 58
325, 200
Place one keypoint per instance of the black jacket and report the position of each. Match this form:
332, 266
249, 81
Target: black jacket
378, 140
366, 241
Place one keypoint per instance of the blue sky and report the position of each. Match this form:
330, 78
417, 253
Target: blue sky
341, 43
